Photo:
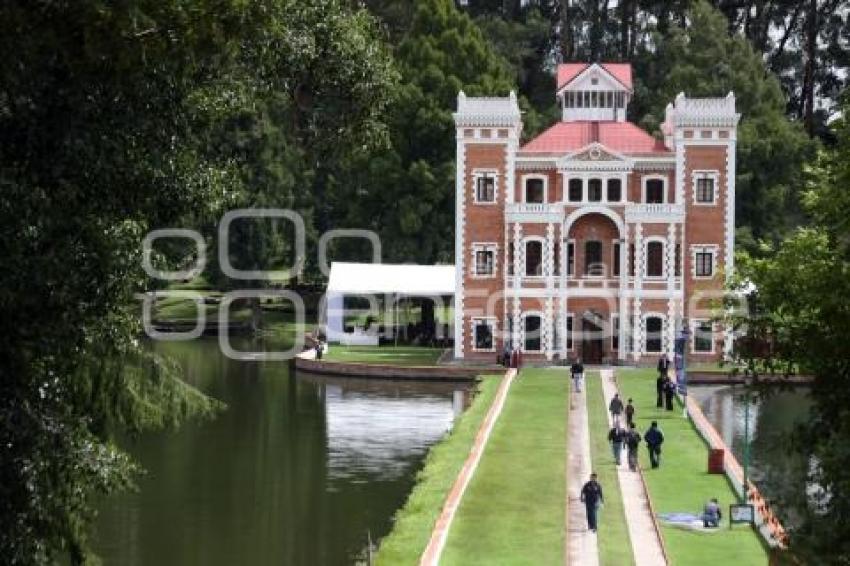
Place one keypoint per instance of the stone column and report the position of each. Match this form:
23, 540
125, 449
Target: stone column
640, 268
623, 306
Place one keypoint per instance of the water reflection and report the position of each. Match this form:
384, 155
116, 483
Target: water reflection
779, 472
296, 471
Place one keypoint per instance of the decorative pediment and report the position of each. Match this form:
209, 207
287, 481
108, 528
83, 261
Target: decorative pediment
596, 156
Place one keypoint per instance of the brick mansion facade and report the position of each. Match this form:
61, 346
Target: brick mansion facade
594, 239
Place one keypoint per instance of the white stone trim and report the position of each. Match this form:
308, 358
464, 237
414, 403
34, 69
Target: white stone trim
482, 247
714, 250
697, 174
479, 173
664, 188
532, 176
492, 322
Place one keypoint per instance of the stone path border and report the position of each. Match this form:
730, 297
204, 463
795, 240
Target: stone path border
440, 533
647, 543
582, 546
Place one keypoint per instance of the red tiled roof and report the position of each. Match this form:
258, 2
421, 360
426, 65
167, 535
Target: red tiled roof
622, 137
620, 71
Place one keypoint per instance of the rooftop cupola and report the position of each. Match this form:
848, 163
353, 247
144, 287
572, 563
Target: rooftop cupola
595, 91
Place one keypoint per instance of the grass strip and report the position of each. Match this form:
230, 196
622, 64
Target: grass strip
615, 546
395, 355
683, 484
413, 522
513, 511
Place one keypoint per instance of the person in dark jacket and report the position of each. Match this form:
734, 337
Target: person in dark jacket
577, 371
616, 409
630, 413
663, 365
617, 438
659, 391
632, 444
591, 496
669, 392
654, 439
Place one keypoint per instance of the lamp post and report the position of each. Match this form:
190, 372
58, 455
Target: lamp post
746, 489
681, 347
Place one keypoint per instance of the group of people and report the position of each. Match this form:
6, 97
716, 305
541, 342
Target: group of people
624, 435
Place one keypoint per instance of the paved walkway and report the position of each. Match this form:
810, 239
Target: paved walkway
431, 555
582, 546
646, 544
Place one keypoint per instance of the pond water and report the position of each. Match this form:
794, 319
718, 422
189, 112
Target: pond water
297, 470
774, 468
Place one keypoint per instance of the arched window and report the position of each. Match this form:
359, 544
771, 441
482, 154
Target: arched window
654, 191
534, 258
654, 259
594, 190
654, 333
593, 265
532, 330
615, 190
534, 190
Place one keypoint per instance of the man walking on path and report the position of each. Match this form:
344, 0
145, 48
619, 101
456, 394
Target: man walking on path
577, 371
669, 392
616, 409
654, 439
617, 436
630, 413
633, 443
591, 496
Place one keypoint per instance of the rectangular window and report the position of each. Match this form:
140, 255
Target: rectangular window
703, 337
615, 332
569, 332
482, 329
485, 189
557, 259
571, 258
705, 189
615, 190
704, 264
616, 259
594, 190
632, 260
575, 190
593, 265
654, 259
510, 260
484, 262
654, 191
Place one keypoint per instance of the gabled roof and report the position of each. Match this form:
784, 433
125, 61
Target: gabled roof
622, 72
622, 137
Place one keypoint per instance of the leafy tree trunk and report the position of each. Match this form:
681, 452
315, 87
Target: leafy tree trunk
808, 92
566, 36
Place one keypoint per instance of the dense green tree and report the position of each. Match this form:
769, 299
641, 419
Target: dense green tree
703, 59
107, 117
406, 194
801, 323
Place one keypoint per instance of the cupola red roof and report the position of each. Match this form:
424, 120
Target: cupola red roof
620, 71
622, 137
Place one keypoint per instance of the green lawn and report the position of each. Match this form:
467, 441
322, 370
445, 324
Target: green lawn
682, 483
513, 511
614, 544
396, 355
414, 522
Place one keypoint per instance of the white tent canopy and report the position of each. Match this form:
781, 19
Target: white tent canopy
359, 279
